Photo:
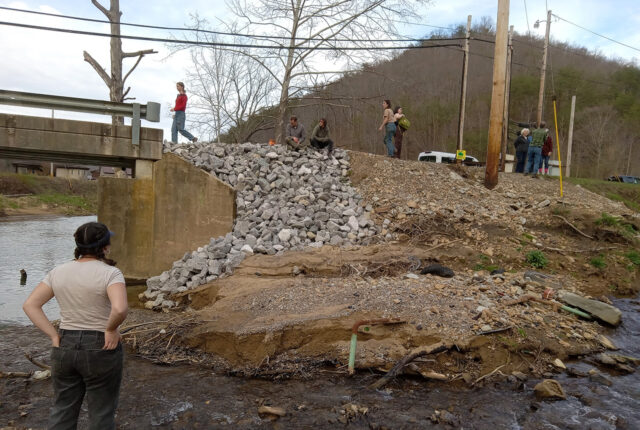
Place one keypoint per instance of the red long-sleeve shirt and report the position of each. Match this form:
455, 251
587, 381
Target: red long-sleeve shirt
181, 102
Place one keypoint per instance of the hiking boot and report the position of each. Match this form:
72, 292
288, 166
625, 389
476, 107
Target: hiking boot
195, 139
534, 176
526, 174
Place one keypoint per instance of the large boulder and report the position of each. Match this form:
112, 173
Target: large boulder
602, 311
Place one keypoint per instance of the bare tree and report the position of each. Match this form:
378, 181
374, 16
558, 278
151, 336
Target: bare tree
229, 89
299, 31
115, 81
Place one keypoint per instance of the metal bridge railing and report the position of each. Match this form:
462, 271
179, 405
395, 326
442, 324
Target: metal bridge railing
135, 111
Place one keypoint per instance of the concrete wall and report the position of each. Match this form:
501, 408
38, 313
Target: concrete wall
159, 217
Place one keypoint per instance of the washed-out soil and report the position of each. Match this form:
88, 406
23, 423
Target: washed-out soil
291, 314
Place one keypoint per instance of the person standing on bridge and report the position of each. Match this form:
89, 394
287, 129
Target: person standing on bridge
86, 353
179, 117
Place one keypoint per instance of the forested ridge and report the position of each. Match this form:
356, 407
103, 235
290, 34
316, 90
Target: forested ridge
427, 84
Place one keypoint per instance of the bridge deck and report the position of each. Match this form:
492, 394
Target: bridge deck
85, 142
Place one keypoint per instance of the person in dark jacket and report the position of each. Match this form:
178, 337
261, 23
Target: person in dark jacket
547, 149
320, 137
522, 147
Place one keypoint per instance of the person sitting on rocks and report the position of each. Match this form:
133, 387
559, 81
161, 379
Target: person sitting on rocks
296, 137
320, 137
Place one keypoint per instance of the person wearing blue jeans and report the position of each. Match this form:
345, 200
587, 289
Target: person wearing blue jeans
388, 123
534, 154
179, 116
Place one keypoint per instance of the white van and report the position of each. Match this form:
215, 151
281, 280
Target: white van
444, 157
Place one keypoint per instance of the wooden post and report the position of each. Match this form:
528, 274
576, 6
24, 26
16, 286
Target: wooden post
570, 140
463, 90
507, 93
497, 95
543, 71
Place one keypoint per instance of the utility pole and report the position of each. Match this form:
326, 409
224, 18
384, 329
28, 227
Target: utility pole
543, 71
507, 93
497, 95
570, 140
463, 90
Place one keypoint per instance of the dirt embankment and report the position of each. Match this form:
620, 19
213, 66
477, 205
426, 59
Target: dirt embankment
287, 314
40, 195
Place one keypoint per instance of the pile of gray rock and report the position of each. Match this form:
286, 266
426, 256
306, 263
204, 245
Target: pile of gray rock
286, 200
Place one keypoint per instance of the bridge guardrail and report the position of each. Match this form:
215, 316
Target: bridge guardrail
135, 111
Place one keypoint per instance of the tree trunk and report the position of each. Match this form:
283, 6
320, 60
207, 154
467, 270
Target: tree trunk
116, 90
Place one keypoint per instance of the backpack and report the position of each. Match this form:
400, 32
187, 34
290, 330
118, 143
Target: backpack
404, 123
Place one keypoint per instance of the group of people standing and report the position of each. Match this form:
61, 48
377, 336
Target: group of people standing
393, 131
533, 150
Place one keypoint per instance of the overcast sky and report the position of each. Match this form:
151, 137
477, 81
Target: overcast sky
52, 63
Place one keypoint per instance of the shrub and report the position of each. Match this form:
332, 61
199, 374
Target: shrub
537, 259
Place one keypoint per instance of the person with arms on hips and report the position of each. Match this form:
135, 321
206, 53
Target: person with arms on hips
179, 116
296, 137
320, 137
522, 147
547, 149
534, 153
397, 137
389, 126
86, 353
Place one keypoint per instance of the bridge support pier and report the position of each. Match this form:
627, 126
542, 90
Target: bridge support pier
171, 207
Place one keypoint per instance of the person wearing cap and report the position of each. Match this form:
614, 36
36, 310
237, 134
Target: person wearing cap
86, 353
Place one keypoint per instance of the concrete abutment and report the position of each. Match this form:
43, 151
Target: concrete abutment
170, 208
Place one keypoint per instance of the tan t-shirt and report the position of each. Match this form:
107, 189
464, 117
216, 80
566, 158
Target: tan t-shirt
388, 115
81, 291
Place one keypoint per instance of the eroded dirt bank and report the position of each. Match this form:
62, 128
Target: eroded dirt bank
292, 313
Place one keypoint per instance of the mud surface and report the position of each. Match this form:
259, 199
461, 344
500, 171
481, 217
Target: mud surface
179, 397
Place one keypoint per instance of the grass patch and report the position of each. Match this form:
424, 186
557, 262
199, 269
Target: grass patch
70, 200
633, 257
484, 263
598, 262
537, 259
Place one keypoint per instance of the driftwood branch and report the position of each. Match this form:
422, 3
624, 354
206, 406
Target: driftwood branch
97, 67
397, 369
16, 374
573, 226
488, 374
36, 362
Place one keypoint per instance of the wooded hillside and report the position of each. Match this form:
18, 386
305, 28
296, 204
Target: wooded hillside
426, 83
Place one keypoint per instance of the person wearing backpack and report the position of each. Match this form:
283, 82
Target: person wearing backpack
402, 124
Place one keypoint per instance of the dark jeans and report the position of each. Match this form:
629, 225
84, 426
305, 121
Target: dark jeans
320, 145
521, 157
80, 366
544, 161
398, 140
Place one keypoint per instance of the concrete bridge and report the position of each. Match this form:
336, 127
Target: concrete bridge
168, 208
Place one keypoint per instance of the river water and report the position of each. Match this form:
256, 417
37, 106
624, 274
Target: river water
37, 245
155, 397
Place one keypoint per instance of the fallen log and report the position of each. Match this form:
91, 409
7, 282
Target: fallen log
397, 369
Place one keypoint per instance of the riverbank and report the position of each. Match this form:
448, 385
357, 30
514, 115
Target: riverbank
154, 396
22, 195
502, 250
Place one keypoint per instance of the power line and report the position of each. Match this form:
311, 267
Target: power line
597, 34
197, 30
223, 44
421, 24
